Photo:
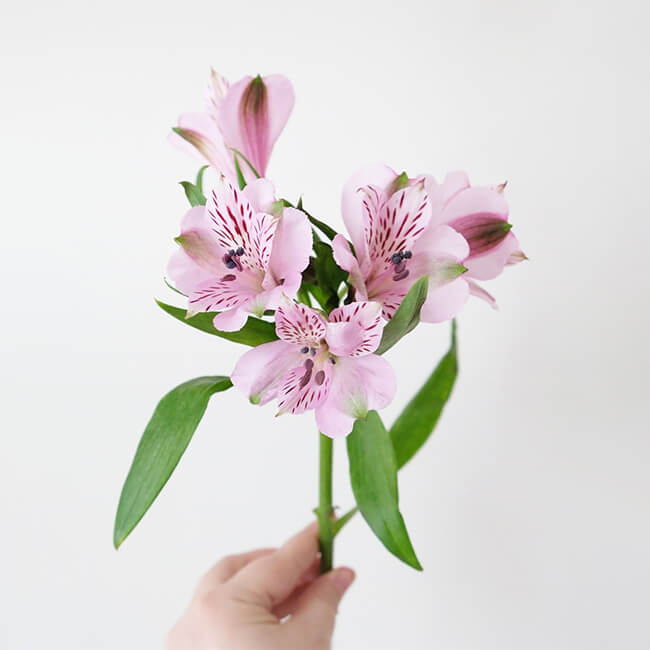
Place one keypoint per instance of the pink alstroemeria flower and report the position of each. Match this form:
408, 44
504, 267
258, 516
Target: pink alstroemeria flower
237, 256
480, 214
247, 117
388, 216
319, 364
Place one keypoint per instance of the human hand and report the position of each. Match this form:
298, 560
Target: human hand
243, 602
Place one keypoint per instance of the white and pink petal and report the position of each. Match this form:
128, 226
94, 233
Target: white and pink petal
354, 330
298, 324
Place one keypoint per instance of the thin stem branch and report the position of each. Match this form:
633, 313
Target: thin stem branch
325, 510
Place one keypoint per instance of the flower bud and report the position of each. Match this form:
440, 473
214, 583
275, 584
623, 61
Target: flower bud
483, 232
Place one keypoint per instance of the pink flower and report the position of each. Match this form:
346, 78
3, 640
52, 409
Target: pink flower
237, 257
319, 364
247, 117
388, 218
480, 214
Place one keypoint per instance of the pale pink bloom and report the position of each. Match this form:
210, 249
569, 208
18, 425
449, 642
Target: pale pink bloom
239, 257
480, 214
324, 365
388, 218
247, 116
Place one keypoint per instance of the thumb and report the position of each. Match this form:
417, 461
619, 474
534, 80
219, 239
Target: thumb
316, 610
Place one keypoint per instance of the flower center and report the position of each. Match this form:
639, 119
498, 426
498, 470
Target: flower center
398, 260
231, 258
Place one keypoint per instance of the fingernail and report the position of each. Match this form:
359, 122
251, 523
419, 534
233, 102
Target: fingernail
343, 579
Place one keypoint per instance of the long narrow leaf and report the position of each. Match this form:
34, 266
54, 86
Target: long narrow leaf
163, 442
373, 474
255, 331
406, 317
420, 416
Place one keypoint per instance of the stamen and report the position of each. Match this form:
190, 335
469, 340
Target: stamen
320, 377
312, 351
407, 255
305, 350
395, 258
333, 361
400, 267
239, 252
305, 379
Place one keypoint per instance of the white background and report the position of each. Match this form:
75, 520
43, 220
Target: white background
529, 506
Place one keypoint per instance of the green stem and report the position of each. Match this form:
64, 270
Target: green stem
325, 510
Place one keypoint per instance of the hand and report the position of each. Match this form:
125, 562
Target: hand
268, 599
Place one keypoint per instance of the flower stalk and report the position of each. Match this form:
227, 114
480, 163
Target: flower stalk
325, 511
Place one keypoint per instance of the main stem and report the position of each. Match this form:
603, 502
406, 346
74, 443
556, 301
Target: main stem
324, 510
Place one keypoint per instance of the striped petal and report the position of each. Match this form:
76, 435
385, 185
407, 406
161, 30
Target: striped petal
304, 387
236, 225
298, 324
354, 330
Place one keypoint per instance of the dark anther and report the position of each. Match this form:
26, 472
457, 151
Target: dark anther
400, 267
320, 377
239, 252
312, 351
407, 255
231, 252
333, 361
230, 264
395, 258
305, 350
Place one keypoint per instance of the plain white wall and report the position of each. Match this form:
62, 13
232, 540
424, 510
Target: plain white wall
528, 508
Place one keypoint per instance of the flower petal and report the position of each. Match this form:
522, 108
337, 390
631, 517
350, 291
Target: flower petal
477, 290
228, 291
354, 330
475, 201
298, 324
304, 387
253, 114
231, 320
491, 264
358, 386
185, 273
444, 302
395, 224
348, 262
292, 245
235, 224
375, 174
260, 194
260, 371
198, 135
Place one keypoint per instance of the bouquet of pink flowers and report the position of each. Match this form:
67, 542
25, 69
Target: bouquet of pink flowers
317, 308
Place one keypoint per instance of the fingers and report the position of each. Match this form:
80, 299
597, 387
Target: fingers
271, 579
288, 605
318, 604
227, 567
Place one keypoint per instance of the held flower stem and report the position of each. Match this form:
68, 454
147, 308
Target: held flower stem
324, 512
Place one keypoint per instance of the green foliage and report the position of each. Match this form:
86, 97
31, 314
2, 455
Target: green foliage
373, 474
163, 442
420, 416
406, 317
194, 191
328, 276
255, 332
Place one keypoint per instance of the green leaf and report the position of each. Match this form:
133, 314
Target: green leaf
406, 317
163, 442
255, 332
420, 416
373, 474
240, 177
194, 191
328, 274
193, 194
239, 154
328, 231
